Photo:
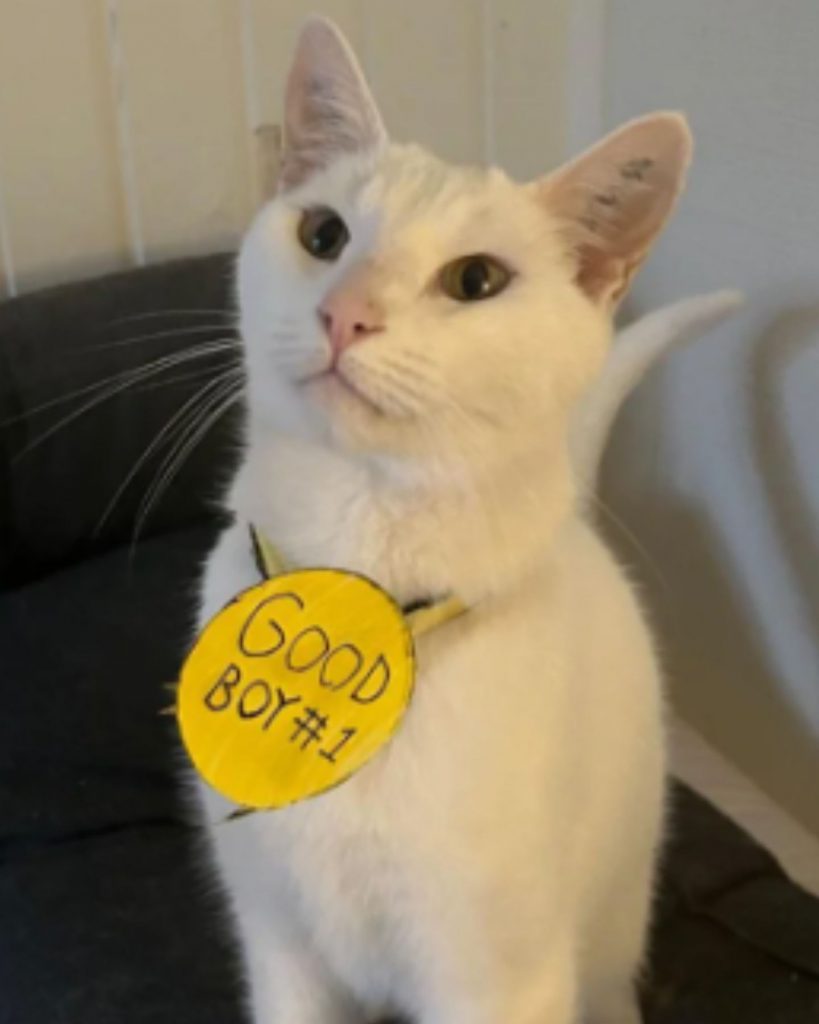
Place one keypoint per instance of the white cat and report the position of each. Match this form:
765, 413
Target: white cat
418, 339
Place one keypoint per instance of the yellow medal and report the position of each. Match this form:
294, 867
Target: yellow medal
297, 683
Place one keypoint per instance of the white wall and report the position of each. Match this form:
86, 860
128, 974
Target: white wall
716, 464
127, 127
127, 135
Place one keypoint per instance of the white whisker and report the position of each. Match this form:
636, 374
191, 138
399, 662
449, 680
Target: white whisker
628, 534
216, 407
181, 378
107, 389
391, 388
157, 313
174, 332
187, 410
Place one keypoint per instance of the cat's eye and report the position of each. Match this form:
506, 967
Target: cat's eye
323, 233
472, 278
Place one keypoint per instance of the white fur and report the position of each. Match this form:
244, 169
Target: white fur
494, 863
636, 349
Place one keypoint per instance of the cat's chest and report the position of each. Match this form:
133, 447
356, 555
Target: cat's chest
475, 757
484, 723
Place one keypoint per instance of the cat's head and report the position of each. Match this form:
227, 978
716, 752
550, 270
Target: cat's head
392, 304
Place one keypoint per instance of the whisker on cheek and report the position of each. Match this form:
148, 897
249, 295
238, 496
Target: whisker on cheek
296, 346
297, 343
423, 386
389, 387
417, 365
421, 373
399, 366
298, 362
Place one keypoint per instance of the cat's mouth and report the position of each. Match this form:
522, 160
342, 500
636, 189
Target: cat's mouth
332, 386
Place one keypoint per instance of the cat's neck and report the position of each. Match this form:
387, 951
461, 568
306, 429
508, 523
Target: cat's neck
417, 535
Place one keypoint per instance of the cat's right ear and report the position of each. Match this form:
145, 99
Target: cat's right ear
329, 110
613, 200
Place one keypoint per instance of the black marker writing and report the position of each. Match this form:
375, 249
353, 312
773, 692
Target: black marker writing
227, 682
315, 650
331, 676
309, 727
311, 650
283, 702
254, 640
374, 683
346, 736
252, 708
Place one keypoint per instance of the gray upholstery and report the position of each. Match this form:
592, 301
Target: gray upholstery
107, 915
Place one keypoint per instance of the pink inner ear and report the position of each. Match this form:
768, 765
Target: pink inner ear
328, 107
615, 199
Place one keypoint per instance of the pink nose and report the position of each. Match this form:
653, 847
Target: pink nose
349, 316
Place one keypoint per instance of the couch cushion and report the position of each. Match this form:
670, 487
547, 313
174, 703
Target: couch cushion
735, 941
107, 912
85, 655
114, 929
59, 470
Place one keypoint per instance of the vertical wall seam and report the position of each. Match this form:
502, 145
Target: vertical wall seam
252, 114
359, 37
584, 74
489, 54
252, 106
125, 149
6, 255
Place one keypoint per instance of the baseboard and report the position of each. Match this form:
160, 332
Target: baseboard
706, 770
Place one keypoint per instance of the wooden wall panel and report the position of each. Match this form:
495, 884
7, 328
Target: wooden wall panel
713, 465
128, 128
526, 64
59, 173
8, 280
189, 138
271, 28
425, 61
269, 31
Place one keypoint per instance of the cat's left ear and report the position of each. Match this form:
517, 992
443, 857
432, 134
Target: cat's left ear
329, 110
612, 201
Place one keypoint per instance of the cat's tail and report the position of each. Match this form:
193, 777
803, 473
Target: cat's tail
636, 348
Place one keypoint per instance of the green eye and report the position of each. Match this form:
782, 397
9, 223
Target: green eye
323, 233
472, 278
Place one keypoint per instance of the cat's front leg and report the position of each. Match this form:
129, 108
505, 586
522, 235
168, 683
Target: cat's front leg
288, 982
546, 995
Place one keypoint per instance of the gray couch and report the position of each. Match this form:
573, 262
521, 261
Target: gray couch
106, 913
